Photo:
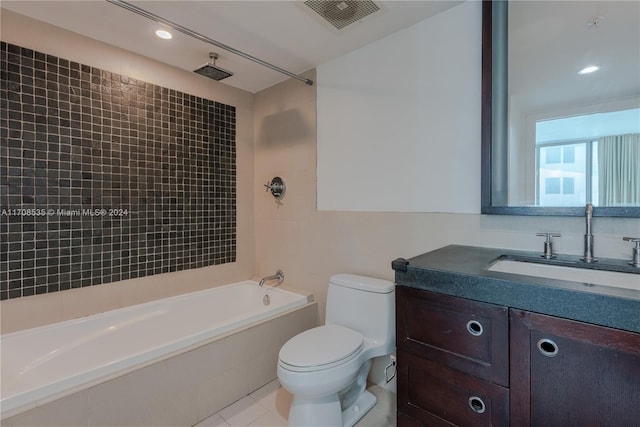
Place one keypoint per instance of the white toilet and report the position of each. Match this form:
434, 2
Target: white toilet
326, 368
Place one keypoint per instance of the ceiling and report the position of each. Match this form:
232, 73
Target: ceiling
283, 33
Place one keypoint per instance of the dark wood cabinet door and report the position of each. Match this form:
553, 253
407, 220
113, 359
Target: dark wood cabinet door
568, 373
439, 396
466, 335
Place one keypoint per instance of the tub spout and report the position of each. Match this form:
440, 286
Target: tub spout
279, 276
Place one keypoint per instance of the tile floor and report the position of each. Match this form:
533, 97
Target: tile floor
269, 407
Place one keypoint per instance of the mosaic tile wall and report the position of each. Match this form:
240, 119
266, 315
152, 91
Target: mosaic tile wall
105, 178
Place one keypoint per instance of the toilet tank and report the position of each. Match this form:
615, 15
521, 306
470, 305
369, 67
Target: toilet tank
364, 304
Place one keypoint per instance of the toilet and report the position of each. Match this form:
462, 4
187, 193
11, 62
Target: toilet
326, 368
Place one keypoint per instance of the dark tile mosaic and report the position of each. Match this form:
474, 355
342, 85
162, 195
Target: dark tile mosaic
105, 178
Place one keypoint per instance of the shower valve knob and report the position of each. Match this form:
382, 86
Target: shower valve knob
276, 186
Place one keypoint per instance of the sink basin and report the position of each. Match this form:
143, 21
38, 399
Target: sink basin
573, 274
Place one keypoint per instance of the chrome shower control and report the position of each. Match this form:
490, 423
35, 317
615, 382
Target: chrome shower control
277, 187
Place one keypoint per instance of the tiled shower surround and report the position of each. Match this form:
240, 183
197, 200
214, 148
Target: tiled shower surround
106, 178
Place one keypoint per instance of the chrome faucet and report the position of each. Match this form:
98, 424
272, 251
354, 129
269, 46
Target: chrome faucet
588, 237
279, 276
548, 250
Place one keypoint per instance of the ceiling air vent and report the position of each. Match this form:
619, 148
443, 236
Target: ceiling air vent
342, 12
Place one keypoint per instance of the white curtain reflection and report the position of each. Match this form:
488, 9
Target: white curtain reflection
619, 170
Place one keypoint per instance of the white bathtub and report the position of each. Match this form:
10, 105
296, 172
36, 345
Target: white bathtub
43, 364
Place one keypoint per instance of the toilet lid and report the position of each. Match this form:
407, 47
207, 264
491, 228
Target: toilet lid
321, 346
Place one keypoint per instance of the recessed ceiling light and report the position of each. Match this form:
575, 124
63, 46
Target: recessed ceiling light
588, 70
164, 34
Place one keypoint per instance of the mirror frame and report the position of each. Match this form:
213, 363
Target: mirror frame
489, 129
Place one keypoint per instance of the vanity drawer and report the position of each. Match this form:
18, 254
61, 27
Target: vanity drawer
466, 335
434, 395
404, 420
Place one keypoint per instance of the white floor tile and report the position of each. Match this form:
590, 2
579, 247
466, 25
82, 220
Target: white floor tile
213, 421
243, 412
269, 419
269, 407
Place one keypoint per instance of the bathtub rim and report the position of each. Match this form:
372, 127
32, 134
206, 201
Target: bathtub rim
309, 296
35, 397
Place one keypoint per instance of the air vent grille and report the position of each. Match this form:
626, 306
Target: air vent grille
342, 12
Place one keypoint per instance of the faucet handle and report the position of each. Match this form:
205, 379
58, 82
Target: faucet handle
548, 251
635, 261
548, 235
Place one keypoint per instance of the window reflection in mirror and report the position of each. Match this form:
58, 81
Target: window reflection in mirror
571, 151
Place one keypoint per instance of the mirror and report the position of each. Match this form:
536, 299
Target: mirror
554, 135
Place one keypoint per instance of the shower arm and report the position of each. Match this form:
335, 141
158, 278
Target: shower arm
184, 30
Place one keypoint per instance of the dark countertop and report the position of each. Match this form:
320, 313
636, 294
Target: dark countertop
460, 271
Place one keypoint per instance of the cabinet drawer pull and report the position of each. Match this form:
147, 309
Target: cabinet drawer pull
477, 405
475, 328
547, 347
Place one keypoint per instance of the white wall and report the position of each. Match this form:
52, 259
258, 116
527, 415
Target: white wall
399, 120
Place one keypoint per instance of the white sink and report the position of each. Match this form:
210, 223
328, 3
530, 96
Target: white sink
573, 274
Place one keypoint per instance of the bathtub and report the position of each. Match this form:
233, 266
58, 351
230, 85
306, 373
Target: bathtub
72, 359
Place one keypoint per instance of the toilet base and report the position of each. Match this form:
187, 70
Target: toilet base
352, 414
326, 412
323, 412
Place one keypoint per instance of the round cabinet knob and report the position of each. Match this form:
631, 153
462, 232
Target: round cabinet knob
477, 405
547, 347
475, 328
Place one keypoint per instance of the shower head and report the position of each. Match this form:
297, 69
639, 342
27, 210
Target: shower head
212, 71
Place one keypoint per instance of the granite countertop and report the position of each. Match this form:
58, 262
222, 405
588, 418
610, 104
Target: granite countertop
461, 271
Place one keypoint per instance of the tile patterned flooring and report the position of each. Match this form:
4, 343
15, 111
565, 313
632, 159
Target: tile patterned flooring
269, 407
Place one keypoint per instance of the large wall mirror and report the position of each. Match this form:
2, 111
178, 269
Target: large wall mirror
561, 107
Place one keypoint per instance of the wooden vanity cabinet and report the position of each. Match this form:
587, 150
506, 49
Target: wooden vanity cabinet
452, 360
523, 369
568, 373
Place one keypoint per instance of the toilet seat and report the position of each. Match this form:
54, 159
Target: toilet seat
320, 348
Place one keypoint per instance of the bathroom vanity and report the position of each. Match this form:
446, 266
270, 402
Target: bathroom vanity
479, 347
